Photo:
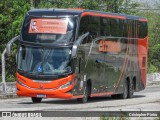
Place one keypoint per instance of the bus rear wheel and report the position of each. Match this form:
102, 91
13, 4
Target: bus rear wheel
86, 95
124, 95
130, 90
36, 100
114, 96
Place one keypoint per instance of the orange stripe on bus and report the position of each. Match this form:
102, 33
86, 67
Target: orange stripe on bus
78, 96
143, 20
102, 15
101, 94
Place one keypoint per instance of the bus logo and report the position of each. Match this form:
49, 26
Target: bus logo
41, 86
39, 69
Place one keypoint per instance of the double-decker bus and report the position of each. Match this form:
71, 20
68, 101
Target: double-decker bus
64, 53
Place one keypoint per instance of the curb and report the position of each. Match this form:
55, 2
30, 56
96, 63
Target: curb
153, 84
8, 96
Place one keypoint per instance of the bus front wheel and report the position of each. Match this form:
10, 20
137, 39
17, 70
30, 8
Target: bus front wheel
36, 100
125, 91
86, 95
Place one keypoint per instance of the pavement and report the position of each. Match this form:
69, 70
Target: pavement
8, 95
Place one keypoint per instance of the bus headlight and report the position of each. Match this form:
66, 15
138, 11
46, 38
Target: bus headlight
19, 82
67, 84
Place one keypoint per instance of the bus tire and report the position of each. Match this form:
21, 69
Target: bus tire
114, 96
36, 100
130, 90
86, 95
124, 95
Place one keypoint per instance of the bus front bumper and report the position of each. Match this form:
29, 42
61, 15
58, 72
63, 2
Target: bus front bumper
44, 93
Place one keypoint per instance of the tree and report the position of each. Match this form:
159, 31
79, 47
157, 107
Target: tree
101, 5
11, 18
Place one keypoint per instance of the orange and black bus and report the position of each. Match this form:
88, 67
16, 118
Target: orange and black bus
64, 53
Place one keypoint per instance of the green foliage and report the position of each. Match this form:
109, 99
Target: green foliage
155, 56
101, 5
11, 18
152, 68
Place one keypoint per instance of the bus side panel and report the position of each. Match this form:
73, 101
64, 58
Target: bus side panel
116, 64
142, 57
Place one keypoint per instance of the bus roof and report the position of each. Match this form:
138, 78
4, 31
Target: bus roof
78, 12
53, 12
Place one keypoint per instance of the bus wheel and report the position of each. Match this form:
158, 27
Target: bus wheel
86, 95
124, 95
36, 100
114, 96
130, 90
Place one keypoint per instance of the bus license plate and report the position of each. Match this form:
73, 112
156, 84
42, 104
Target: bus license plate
41, 96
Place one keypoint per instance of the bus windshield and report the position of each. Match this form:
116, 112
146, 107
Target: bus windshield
49, 30
44, 61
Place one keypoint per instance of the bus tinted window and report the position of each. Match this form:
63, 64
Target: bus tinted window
143, 30
125, 31
105, 27
85, 27
94, 26
114, 27
121, 28
89, 24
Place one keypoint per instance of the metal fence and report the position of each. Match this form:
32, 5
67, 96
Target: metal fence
7, 72
10, 68
153, 77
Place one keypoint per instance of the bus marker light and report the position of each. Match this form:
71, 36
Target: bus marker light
84, 77
81, 84
66, 85
41, 86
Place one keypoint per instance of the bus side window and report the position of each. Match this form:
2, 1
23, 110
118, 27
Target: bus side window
105, 27
114, 27
134, 29
125, 31
85, 27
89, 24
121, 28
143, 30
94, 26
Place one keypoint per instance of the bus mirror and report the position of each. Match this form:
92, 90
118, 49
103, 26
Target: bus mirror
10, 43
77, 43
74, 51
81, 38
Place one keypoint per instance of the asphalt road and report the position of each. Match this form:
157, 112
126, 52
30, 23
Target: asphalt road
146, 100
